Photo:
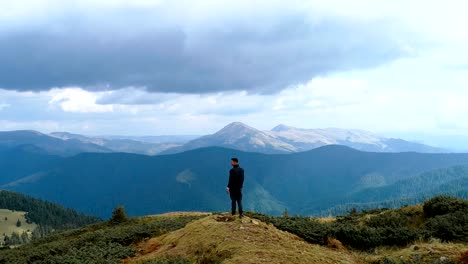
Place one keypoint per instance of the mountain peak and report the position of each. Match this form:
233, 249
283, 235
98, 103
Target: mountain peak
236, 126
281, 128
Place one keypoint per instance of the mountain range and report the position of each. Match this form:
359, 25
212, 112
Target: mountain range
149, 145
310, 182
46, 143
280, 139
287, 139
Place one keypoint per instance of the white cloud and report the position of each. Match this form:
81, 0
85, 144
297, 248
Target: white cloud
422, 94
78, 100
3, 106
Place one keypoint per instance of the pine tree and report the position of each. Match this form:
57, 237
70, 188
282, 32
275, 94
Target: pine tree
14, 239
24, 238
18, 223
118, 215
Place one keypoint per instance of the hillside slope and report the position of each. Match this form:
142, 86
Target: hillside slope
304, 183
218, 238
44, 213
9, 224
452, 181
405, 235
21, 161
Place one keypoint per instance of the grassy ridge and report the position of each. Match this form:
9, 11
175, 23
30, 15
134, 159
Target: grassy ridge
97, 243
217, 238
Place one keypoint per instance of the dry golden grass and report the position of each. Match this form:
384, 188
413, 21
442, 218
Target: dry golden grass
423, 251
240, 241
325, 220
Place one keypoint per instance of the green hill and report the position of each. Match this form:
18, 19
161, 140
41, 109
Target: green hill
44, 213
37, 218
434, 232
15, 223
304, 183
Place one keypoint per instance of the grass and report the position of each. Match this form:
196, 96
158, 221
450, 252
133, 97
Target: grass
8, 226
240, 241
249, 240
202, 238
97, 243
419, 252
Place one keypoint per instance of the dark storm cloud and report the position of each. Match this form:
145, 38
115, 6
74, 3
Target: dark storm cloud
262, 55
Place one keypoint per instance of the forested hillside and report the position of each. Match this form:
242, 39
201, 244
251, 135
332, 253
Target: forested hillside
44, 213
304, 183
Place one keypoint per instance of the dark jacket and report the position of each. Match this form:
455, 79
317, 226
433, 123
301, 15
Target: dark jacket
236, 178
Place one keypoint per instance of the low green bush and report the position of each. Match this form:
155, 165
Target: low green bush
443, 217
441, 205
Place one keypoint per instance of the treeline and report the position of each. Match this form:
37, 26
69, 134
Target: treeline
44, 213
441, 217
15, 238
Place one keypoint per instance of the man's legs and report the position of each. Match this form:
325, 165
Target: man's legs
239, 203
236, 197
233, 206
233, 203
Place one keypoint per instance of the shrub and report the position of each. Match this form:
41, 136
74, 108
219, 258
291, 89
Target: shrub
441, 205
309, 229
388, 219
449, 227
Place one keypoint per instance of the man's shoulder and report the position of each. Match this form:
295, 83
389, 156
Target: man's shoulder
236, 169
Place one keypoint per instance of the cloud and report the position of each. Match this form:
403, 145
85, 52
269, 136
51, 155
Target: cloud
134, 96
200, 47
78, 100
3, 106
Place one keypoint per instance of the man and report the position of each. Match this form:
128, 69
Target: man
234, 187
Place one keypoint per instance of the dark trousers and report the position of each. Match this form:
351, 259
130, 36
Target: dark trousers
236, 197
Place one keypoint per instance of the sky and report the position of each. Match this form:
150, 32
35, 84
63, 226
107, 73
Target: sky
397, 68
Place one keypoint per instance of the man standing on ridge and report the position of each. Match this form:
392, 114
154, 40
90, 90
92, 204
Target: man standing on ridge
234, 187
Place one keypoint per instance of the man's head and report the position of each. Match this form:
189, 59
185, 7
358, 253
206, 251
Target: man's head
234, 161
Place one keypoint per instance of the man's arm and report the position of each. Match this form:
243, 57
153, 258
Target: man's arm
229, 182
